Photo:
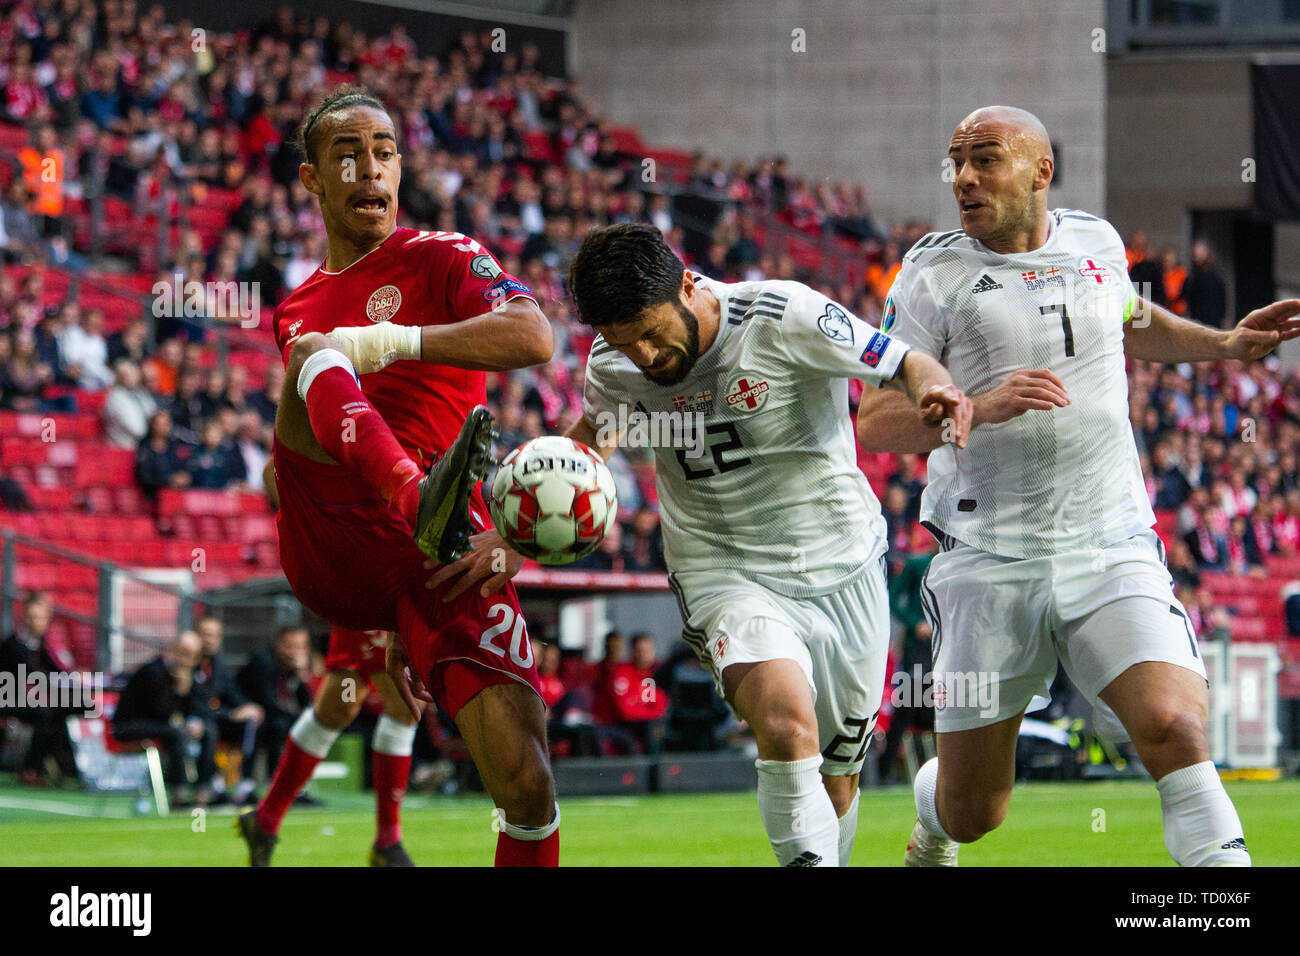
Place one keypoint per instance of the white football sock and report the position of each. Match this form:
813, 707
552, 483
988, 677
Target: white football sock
313, 736
528, 834
797, 812
393, 738
927, 781
1201, 824
848, 830
318, 362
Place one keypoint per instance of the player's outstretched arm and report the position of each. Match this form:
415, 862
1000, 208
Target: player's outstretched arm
587, 433
1155, 334
515, 336
937, 402
889, 421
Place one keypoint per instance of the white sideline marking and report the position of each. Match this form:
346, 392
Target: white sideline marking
50, 806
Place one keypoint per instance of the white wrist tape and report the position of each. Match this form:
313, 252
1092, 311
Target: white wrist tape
375, 347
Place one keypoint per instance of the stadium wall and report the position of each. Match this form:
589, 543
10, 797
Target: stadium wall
1180, 127
723, 77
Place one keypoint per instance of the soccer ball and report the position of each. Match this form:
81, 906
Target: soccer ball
553, 500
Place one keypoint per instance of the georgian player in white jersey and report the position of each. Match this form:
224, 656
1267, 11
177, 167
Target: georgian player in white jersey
772, 535
1047, 550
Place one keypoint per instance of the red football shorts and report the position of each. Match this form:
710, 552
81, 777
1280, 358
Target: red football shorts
352, 560
359, 651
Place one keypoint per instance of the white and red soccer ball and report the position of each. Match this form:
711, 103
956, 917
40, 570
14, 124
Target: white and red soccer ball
553, 500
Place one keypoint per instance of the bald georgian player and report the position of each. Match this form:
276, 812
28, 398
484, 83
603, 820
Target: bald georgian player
1047, 550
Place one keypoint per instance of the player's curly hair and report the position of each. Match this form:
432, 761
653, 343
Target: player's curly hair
341, 97
622, 270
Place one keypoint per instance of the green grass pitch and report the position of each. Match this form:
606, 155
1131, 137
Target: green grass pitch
1081, 824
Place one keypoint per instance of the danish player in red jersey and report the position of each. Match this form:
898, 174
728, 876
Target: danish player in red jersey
420, 316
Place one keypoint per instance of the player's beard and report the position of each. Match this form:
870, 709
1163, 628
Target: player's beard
689, 356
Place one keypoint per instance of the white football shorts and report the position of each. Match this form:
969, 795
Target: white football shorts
840, 641
1000, 625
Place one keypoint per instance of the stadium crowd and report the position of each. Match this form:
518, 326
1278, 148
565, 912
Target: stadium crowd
192, 115
121, 104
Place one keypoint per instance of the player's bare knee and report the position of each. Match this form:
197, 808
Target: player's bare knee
528, 798
973, 822
308, 344
336, 708
785, 734
968, 816
1170, 726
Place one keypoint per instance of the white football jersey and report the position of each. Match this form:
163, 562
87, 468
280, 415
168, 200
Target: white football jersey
770, 488
1045, 481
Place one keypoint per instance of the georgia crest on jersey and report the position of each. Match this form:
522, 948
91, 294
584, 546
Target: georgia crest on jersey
762, 476
1045, 481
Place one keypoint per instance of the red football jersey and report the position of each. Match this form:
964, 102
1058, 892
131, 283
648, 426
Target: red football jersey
414, 277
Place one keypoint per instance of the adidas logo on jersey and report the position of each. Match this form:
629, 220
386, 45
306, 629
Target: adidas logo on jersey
1236, 843
806, 858
986, 284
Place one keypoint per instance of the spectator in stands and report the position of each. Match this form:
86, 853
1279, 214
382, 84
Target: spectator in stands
86, 352
216, 464
1204, 614
910, 476
1238, 498
130, 342
547, 657
1172, 485
898, 526
49, 335
1144, 271
128, 408
1205, 541
252, 445
24, 379
27, 652
213, 397
638, 700
166, 363
1207, 297
1182, 566
237, 719
160, 459
1243, 550
279, 683
160, 703
609, 554
187, 407
643, 548
20, 236
607, 688
44, 166
266, 401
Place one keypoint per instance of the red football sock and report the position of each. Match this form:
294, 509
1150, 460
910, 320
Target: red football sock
514, 852
391, 774
355, 435
295, 769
